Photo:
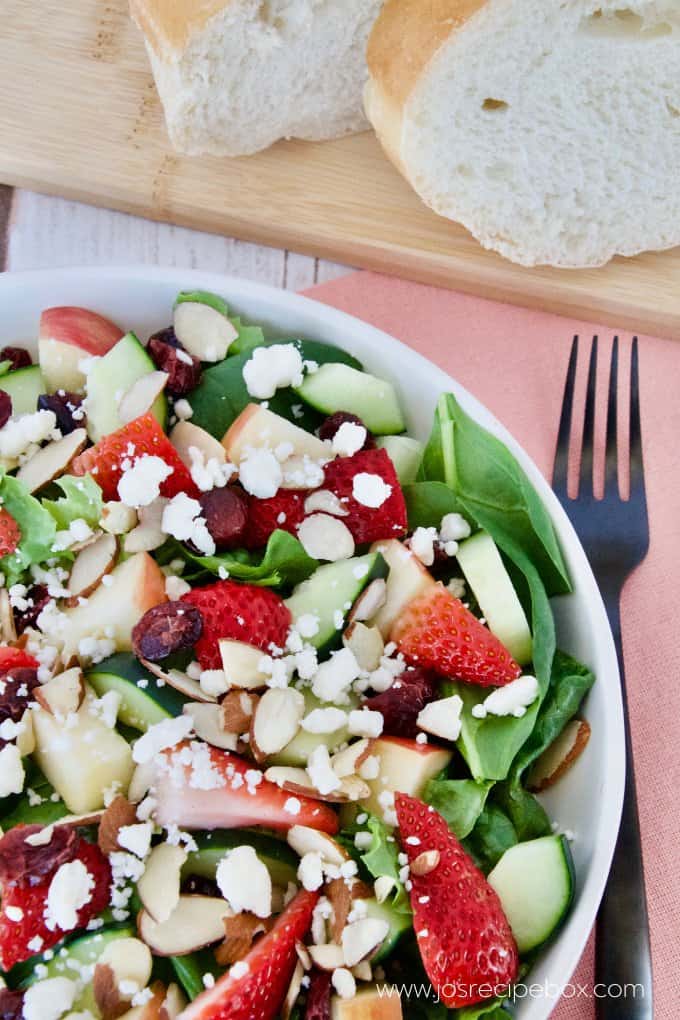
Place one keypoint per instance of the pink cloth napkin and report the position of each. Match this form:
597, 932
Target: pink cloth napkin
514, 360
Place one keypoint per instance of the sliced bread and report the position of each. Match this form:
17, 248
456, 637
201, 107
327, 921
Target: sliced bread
234, 76
549, 128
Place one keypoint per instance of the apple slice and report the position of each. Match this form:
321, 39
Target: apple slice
51, 461
63, 694
407, 579
405, 766
68, 336
257, 427
159, 886
136, 585
367, 1004
91, 564
196, 922
141, 395
186, 436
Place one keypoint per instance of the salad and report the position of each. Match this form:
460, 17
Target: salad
279, 685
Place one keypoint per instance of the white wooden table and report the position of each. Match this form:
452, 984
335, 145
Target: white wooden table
38, 231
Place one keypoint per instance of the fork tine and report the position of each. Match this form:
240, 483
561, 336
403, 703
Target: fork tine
561, 464
585, 485
611, 472
637, 482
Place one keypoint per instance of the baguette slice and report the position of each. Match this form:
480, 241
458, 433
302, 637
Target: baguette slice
234, 76
550, 129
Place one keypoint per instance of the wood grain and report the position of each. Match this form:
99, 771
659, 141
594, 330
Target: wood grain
5, 209
80, 117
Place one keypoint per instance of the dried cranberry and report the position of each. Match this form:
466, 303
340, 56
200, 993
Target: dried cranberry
16, 686
404, 700
67, 408
226, 516
166, 336
11, 1004
319, 996
5, 408
20, 861
331, 425
166, 629
184, 371
19, 357
37, 599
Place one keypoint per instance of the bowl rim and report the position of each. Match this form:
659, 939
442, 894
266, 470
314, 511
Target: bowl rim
569, 944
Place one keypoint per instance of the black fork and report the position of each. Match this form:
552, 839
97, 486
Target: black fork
615, 535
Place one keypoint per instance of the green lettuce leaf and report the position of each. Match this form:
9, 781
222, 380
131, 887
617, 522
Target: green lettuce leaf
82, 499
381, 858
283, 562
37, 528
459, 801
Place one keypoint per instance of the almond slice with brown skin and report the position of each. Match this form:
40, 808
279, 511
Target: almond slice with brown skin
196, 922
110, 1003
123, 960
425, 862
348, 761
341, 895
303, 955
63, 694
51, 461
326, 502
369, 602
208, 723
140, 396
180, 681
296, 781
149, 534
239, 933
305, 840
275, 721
366, 643
237, 709
91, 564
117, 815
560, 756
241, 665
159, 885
363, 971
293, 991
327, 957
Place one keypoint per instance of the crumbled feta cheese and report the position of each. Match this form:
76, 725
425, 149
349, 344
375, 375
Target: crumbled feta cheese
260, 473
140, 485
370, 490
214, 682
106, 708
422, 544
453, 528
94, 649
334, 677
307, 625
211, 473
183, 409
272, 368
303, 473
310, 871
136, 838
324, 720
293, 806
182, 518
513, 699
344, 983
244, 881
161, 736
457, 587
12, 774
18, 434
239, 970
442, 718
349, 439
77, 531
320, 771
70, 889
365, 723
49, 999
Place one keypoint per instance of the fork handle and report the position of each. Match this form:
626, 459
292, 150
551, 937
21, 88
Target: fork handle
623, 957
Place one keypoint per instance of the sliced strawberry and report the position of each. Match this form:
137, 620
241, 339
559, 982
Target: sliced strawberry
241, 612
464, 938
435, 630
368, 523
23, 907
219, 790
10, 533
284, 511
16, 658
141, 436
401, 704
259, 992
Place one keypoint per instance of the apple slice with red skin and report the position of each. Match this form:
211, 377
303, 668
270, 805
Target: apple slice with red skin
67, 336
231, 805
267, 970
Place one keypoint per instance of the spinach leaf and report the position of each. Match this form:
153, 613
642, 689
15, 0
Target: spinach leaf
249, 337
82, 499
527, 814
492, 835
427, 503
493, 489
492, 1010
381, 858
459, 801
222, 393
37, 528
283, 562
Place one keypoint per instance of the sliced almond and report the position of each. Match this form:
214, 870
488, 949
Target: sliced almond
370, 601
326, 538
353, 788
159, 886
209, 725
51, 461
383, 887
186, 435
25, 740
43, 836
361, 938
141, 395
341, 895
425, 863
295, 780
173, 1004
348, 761
363, 971
239, 934
327, 957
325, 502
303, 955
560, 756
91, 564
293, 991
129, 960
63, 694
118, 519
237, 709
179, 680
196, 922
275, 721
110, 1003
241, 665
366, 644
149, 534
305, 840
117, 815
142, 780
8, 632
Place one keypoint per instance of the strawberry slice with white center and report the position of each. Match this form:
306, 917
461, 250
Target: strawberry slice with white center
254, 988
202, 787
465, 940
436, 631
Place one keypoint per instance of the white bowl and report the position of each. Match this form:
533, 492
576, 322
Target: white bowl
588, 800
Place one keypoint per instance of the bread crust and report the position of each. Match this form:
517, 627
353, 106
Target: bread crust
167, 25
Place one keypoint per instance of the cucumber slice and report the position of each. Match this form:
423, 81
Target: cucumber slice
340, 388
485, 572
24, 387
398, 921
405, 453
297, 752
535, 884
109, 378
280, 861
333, 589
140, 706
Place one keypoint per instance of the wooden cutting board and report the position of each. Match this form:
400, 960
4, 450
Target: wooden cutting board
79, 117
